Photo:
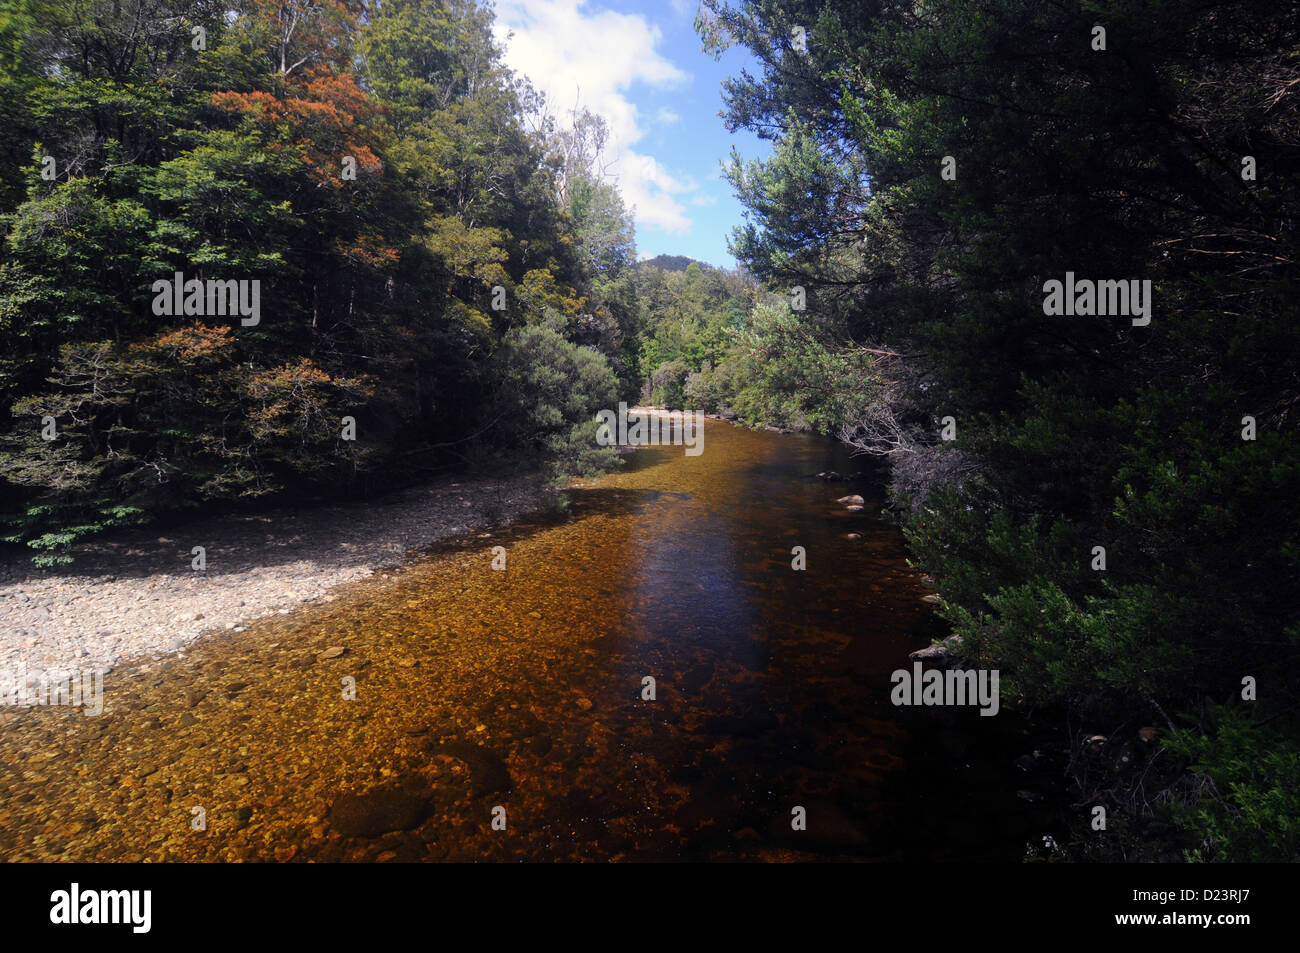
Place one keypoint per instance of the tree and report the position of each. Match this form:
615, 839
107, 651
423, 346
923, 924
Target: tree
366, 168
935, 165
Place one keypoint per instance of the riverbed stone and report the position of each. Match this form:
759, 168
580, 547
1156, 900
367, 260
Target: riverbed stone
487, 770
396, 806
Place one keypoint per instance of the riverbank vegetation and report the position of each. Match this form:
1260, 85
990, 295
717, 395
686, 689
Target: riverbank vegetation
444, 275
1113, 522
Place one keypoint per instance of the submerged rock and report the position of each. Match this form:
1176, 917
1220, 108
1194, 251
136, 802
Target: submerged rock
488, 772
399, 806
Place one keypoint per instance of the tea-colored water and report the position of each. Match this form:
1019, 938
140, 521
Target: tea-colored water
522, 690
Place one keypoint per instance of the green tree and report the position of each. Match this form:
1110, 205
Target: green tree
934, 166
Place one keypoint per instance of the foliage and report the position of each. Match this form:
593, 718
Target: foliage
372, 167
1248, 805
550, 393
1071, 432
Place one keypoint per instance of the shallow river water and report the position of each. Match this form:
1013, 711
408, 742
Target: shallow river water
517, 696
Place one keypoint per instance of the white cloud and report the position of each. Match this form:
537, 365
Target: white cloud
579, 54
665, 116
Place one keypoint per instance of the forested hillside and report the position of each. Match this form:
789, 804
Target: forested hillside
691, 316
1105, 489
438, 269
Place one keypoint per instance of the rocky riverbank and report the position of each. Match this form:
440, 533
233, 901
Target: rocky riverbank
136, 596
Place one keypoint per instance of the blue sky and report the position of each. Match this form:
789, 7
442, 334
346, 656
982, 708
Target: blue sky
639, 64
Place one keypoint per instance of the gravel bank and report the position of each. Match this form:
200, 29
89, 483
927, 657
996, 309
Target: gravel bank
134, 596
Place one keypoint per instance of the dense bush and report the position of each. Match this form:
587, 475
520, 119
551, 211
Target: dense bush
369, 166
935, 165
550, 393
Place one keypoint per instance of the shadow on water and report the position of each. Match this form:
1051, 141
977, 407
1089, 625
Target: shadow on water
527, 690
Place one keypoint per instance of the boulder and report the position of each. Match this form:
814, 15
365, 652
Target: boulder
945, 655
934, 654
396, 806
488, 772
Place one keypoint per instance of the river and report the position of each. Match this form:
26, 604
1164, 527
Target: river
501, 714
